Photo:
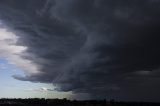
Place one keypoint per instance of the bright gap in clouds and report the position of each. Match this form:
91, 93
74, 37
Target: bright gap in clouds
13, 53
12, 88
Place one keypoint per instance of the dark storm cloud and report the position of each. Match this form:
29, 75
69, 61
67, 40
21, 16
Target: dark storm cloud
101, 47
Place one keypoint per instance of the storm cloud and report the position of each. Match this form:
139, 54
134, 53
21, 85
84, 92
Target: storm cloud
104, 48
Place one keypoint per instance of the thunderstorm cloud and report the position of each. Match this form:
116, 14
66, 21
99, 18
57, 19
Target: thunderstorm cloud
104, 48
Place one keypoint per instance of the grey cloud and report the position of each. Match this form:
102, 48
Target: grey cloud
99, 47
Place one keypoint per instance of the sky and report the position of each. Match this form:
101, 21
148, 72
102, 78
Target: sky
83, 49
12, 88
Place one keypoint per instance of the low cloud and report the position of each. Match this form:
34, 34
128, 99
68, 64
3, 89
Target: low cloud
42, 89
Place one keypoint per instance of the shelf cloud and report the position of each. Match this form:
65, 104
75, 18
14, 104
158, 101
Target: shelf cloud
98, 47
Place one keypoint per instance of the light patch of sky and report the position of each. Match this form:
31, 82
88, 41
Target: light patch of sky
12, 88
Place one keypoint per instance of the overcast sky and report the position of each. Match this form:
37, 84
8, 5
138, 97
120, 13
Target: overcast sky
82, 48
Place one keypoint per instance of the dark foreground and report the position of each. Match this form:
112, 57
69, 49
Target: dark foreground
65, 102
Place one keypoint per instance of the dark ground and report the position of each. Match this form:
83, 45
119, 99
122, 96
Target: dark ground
65, 102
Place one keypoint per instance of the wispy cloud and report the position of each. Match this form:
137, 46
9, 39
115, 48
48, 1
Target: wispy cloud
42, 89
